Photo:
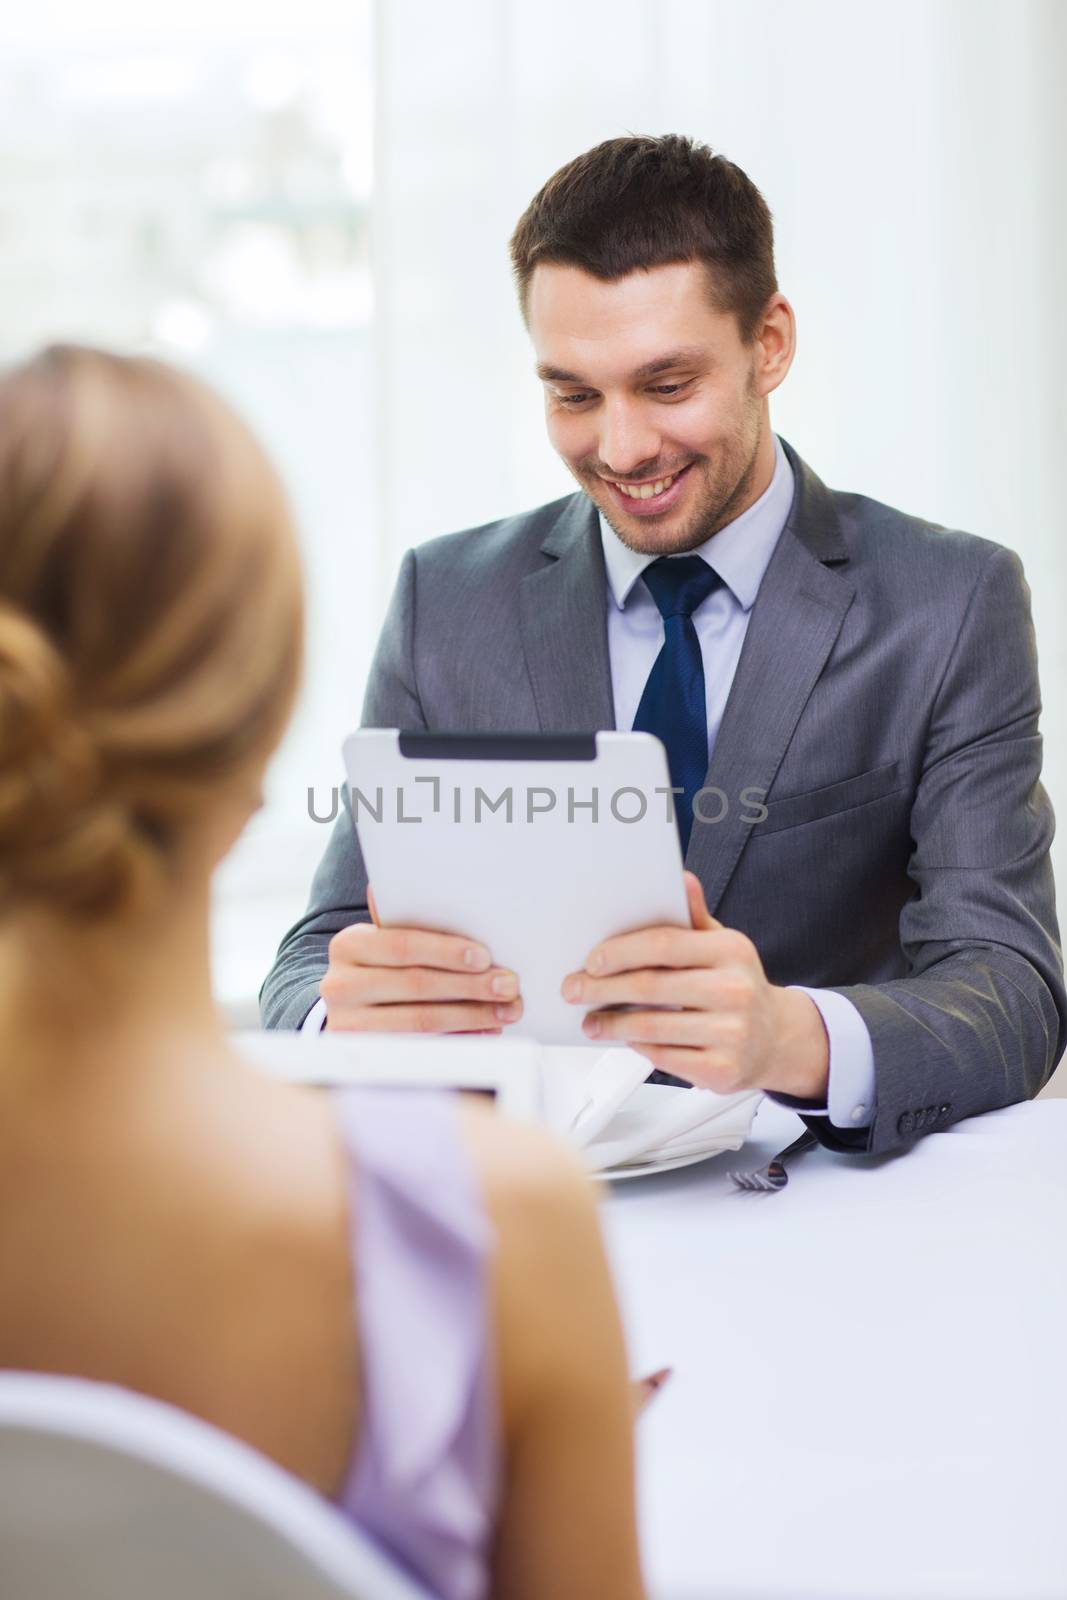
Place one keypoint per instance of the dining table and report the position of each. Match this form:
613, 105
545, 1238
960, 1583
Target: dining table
868, 1398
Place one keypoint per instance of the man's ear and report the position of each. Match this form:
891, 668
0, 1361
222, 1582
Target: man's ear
776, 343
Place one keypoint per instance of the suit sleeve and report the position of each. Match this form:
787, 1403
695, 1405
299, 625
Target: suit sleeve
339, 888
979, 1019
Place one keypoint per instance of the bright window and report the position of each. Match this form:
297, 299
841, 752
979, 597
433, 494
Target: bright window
199, 187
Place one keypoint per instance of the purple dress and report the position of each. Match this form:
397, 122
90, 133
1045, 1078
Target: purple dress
424, 1479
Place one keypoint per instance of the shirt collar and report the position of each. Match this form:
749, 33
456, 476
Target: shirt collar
739, 552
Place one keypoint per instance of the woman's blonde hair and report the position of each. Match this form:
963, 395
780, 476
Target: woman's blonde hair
151, 623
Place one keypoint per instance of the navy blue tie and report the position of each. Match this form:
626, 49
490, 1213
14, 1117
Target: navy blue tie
673, 705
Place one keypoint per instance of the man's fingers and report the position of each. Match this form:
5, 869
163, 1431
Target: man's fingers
378, 986
363, 944
687, 1028
704, 988
469, 1018
668, 947
372, 907
410, 980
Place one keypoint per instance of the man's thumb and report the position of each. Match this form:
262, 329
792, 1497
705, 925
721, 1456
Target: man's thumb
699, 915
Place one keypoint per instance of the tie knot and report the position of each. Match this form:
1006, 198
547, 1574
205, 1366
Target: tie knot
678, 584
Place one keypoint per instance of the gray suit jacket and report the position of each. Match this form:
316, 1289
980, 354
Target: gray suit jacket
886, 699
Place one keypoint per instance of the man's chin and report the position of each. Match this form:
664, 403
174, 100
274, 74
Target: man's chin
667, 535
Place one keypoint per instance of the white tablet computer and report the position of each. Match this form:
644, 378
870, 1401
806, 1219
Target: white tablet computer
539, 845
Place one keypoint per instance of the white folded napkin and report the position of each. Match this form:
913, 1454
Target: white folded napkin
599, 1101
582, 1089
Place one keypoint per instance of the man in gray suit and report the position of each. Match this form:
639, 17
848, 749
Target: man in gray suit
880, 948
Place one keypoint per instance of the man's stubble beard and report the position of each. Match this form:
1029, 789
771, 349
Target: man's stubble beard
724, 498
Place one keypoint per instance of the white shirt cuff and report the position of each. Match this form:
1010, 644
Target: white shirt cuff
850, 1092
315, 1020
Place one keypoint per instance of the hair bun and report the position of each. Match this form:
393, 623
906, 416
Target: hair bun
34, 687
58, 836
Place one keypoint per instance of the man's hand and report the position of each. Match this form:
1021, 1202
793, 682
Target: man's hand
405, 980
728, 1029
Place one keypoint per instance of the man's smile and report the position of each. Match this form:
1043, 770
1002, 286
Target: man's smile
651, 496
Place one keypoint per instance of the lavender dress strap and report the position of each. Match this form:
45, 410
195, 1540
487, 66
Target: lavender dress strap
425, 1475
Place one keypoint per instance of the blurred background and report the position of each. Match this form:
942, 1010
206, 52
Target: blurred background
310, 206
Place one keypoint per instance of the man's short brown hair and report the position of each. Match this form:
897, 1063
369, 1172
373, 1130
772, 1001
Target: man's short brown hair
641, 202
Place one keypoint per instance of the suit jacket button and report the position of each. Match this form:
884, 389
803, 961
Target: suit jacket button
944, 1110
906, 1122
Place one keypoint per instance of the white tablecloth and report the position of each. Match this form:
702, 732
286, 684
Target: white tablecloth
870, 1391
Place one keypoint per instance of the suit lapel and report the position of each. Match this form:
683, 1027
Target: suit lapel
794, 624
563, 618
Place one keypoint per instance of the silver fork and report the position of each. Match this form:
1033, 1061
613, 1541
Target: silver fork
772, 1177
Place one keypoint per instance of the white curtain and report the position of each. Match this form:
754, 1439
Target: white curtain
913, 155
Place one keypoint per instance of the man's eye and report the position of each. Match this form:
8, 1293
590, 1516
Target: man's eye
572, 399
671, 388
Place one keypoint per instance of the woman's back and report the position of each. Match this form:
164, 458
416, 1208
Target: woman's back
362, 1284
185, 1231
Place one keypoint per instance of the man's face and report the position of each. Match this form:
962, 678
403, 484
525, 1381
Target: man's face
651, 399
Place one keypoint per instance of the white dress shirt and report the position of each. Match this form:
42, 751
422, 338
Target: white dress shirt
739, 554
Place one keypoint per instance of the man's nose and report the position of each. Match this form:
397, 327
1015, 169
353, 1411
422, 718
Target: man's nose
629, 441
